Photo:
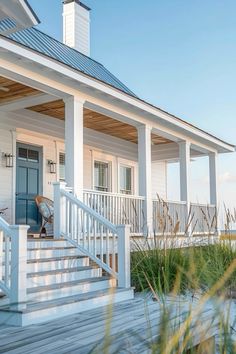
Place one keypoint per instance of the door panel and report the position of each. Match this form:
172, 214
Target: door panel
33, 181
28, 185
22, 180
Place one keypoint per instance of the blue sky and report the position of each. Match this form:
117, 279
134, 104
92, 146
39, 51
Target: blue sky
177, 54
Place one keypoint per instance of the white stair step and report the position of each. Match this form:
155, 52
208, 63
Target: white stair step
44, 243
55, 291
51, 252
44, 264
62, 276
54, 309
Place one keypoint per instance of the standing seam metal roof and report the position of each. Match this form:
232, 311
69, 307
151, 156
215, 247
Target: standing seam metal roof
44, 44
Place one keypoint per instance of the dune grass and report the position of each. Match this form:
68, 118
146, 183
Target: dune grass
196, 267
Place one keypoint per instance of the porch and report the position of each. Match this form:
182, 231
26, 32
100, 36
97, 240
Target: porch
114, 162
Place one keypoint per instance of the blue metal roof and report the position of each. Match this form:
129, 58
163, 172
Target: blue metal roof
7, 24
44, 44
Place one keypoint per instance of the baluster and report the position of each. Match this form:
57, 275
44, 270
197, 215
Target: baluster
114, 252
1, 255
107, 248
67, 221
77, 225
95, 238
83, 227
101, 242
88, 231
7, 260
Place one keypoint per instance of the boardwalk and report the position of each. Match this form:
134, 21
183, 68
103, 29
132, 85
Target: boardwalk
128, 327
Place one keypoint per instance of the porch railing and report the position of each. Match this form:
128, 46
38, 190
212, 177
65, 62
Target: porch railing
119, 209
169, 217
204, 218
13, 262
107, 244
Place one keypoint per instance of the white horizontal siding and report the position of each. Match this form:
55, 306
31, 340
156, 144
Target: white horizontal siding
49, 133
6, 174
159, 178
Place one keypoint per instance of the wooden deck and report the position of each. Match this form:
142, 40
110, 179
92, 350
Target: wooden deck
129, 327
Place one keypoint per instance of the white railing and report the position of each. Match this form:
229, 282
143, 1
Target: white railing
204, 218
13, 262
106, 244
169, 217
119, 209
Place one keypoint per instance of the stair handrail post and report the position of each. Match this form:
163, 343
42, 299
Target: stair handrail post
18, 287
124, 276
59, 215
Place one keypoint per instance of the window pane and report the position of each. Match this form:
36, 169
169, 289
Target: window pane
125, 180
22, 155
101, 176
62, 166
33, 156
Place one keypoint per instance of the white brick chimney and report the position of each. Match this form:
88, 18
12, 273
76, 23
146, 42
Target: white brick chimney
76, 25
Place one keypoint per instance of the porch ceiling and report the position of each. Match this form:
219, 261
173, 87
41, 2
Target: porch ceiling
97, 122
11, 91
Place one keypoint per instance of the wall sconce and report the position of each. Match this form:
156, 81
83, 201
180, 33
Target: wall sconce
52, 166
8, 159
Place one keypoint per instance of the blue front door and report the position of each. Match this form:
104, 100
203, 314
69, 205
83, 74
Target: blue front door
28, 185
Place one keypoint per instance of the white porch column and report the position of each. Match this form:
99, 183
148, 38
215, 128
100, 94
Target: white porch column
213, 174
145, 173
74, 144
184, 160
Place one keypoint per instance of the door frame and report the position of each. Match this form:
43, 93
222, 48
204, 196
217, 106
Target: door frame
40, 149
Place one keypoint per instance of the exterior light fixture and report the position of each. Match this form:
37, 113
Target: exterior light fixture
52, 166
8, 157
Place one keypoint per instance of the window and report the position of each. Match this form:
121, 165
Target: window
101, 176
62, 166
28, 155
125, 180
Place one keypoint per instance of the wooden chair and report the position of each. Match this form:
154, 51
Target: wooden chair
2, 211
46, 209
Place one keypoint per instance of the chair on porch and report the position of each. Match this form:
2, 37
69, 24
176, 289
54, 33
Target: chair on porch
2, 211
46, 209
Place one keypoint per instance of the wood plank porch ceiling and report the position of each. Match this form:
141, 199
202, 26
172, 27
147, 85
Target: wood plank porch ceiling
16, 91
56, 109
97, 122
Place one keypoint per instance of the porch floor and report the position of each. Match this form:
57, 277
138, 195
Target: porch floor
128, 327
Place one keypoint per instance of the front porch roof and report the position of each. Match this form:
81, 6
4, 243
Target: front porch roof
77, 77
15, 16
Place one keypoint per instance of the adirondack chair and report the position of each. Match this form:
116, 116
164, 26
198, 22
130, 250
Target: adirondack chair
46, 209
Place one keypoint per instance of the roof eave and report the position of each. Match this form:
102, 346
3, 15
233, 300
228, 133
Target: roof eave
220, 145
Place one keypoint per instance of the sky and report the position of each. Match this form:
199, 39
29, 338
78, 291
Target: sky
177, 54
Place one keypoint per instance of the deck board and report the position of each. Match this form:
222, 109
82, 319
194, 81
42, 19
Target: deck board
130, 325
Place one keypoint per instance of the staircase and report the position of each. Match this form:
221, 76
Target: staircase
61, 281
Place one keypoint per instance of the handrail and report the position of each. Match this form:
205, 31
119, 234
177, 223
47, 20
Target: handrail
102, 241
127, 196
13, 260
90, 211
4, 226
170, 201
118, 208
203, 205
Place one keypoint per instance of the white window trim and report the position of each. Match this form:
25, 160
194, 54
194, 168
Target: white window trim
110, 166
60, 151
134, 174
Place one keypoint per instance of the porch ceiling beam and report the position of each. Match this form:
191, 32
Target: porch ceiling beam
27, 102
25, 78
111, 114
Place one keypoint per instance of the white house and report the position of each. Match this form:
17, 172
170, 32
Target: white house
65, 118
